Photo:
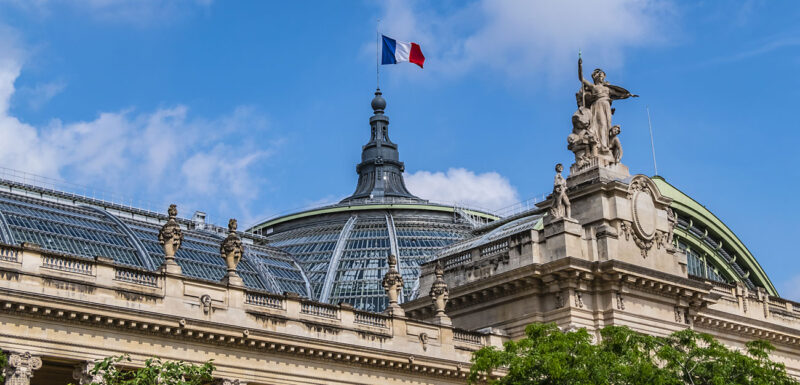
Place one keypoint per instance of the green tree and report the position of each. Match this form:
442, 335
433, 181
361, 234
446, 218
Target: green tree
548, 356
154, 372
3, 363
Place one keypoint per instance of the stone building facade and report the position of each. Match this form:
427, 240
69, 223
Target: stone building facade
82, 279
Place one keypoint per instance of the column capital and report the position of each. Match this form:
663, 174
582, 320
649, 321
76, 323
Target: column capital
20, 368
83, 373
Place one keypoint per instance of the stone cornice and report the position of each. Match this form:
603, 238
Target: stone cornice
30, 289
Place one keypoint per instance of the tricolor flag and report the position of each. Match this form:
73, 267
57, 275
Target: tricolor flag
399, 51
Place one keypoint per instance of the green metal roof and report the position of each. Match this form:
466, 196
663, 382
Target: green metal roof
685, 205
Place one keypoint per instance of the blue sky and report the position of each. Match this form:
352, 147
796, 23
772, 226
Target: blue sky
248, 109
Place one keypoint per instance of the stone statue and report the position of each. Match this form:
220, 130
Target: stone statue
439, 292
614, 145
231, 248
393, 284
170, 236
582, 141
598, 97
561, 206
592, 139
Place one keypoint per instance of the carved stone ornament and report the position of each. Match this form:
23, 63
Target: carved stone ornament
231, 248
579, 300
560, 207
392, 281
643, 228
83, 374
559, 299
594, 139
439, 293
170, 235
20, 368
205, 301
620, 301
423, 339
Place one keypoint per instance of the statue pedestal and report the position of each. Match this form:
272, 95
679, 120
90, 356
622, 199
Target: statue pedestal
171, 267
232, 279
597, 173
395, 310
562, 238
442, 320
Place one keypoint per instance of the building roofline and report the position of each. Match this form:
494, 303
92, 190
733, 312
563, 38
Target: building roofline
339, 208
689, 205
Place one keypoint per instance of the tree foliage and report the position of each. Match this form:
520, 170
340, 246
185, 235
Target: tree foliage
3, 363
548, 356
155, 371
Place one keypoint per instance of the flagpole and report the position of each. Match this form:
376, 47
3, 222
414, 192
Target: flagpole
378, 55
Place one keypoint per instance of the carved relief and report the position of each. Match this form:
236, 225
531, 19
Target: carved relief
644, 245
423, 339
205, 301
644, 213
83, 374
578, 300
20, 368
620, 301
559, 299
673, 220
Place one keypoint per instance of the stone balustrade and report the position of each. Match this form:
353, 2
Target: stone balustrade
265, 300
68, 264
136, 276
101, 295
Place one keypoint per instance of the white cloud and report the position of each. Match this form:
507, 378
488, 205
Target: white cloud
489, 190
37, 96
527, 38
166, 154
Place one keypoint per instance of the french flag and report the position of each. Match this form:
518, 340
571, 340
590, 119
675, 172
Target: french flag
399, 51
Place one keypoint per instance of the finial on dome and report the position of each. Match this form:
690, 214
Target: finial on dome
378, 102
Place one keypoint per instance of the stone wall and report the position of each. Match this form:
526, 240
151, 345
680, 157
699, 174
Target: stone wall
64, 309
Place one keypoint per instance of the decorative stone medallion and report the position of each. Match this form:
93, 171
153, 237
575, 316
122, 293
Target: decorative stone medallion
644, 214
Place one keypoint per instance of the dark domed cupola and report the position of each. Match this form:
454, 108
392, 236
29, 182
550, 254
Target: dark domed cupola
380, 173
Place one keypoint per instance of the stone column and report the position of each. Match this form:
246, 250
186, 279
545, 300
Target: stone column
83, 373
20, 368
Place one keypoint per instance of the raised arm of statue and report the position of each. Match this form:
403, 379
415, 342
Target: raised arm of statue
580, 73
